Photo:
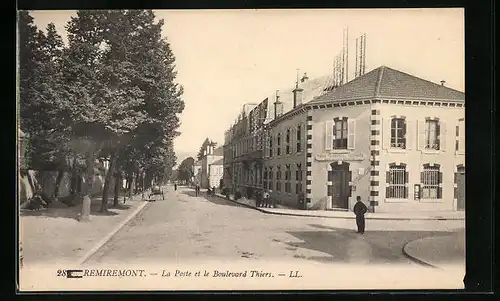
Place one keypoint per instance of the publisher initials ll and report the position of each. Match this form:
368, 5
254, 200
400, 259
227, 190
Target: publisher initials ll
295, 274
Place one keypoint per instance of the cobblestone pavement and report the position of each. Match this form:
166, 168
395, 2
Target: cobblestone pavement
184, 227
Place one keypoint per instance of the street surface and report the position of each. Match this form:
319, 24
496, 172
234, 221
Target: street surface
184, 227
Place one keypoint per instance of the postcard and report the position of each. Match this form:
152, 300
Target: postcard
270, 149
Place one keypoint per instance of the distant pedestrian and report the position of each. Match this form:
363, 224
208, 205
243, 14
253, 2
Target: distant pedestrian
197, 189
359, 210
175, 186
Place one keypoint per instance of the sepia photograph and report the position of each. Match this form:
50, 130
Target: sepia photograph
264, 149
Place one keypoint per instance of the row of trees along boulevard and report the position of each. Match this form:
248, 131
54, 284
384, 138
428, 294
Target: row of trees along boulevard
109, 93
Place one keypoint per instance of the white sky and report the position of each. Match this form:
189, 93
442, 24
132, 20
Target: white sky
227, 58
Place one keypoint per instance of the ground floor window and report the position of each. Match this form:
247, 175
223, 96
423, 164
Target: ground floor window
431, 178
397, 182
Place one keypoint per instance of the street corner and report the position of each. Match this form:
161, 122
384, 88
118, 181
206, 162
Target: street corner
438, 251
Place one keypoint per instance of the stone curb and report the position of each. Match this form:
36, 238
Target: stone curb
103, 241
341, 217
414, 258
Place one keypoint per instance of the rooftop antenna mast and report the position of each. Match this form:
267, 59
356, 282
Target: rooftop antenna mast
346, 47
356, 69
360, 55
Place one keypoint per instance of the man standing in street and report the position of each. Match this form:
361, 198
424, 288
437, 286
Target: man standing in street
360, 210
197, 189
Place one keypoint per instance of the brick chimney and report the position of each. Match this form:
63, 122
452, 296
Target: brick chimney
278, 106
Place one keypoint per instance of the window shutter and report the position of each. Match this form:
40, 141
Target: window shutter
421, 177
440, 177
439, 192
328, 135
387, 191
406, 192
410, 134
388, 177
351, 133
407, 177
442, 136
386, 133
421, 134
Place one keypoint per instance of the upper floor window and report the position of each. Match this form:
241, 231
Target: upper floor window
278, 142
398, 133
397, 181
299, 137
432, 134
288, 141
340, 133
431, 179
270, 147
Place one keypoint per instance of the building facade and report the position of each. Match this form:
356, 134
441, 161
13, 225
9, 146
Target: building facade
210, 174
245, 159
393, 139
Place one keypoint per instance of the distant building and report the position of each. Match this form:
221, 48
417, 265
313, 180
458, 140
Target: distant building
210, 172
244, 142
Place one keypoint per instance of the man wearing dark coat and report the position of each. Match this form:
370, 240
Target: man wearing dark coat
359, 210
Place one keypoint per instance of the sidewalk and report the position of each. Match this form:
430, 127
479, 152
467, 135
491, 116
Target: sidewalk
438, 251
55, 235
452, 215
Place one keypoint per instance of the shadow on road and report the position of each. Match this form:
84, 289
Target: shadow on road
212, 199
72, 212
347, 246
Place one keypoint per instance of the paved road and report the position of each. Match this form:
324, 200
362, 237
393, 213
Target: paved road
187, 227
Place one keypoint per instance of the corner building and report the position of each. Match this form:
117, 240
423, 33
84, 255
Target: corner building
396, 140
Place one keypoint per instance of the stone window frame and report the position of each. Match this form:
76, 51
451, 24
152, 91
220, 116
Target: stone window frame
407, 181
439, 192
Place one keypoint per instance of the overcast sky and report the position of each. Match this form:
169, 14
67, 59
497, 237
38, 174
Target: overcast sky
227, 58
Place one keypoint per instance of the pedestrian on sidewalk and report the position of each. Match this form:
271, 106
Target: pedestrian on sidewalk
359, 210
265, 199
175, 186
197, 189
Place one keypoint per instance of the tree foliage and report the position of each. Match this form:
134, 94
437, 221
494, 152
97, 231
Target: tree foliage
110, 93
203, 148
185, 170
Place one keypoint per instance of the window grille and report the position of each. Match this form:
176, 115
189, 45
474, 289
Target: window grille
398, 133
431, 179
397, 179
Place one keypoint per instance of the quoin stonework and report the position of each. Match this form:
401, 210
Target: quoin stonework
395, 140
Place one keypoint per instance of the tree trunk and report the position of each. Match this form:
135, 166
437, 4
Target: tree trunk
137, 181
89, 180
131, 185
117, 190
60, 175
107, 180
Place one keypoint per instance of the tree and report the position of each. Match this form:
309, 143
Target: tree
203, 148
185, 170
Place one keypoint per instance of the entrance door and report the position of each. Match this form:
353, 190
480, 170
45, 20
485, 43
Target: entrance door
340, 185
460, 180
